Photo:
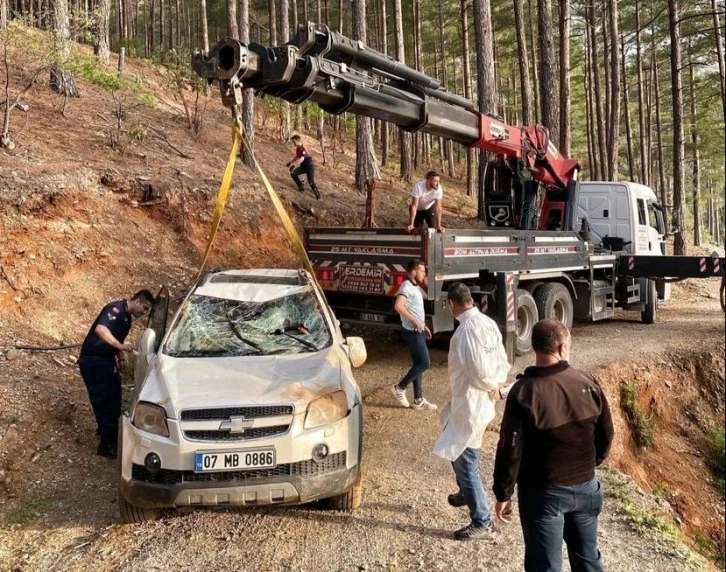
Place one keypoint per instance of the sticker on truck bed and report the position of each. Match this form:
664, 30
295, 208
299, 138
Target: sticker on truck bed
363, 279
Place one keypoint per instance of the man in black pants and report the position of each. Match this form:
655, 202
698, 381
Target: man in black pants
426, 203
302, 164
100, 364
556, 429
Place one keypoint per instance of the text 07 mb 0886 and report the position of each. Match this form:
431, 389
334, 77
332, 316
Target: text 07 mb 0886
234, 460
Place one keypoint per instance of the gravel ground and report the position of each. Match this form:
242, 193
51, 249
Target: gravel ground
62, 513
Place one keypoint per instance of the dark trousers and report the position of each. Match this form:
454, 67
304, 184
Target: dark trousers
307, 168
420, 359
548, 515
103, 382
425, 216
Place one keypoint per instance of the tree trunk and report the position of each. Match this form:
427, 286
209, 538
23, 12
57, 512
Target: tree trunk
366, 166
565, 136
658, 126
232, 27
468, 88
679, 244
3, 15
695, 159
644, 158
599, 115
523, 59
321, 121
103, 15
162, 37
484, 39
272, 12
535, 64
248, 98
448, 146
285, 37
614, 123
547, 71
626, 109
720, 54
403, 136
203, 20
589, 131
386, 129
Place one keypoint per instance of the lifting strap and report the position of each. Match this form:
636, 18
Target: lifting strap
238, 138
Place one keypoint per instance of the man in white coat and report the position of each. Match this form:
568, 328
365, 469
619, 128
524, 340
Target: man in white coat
478, 369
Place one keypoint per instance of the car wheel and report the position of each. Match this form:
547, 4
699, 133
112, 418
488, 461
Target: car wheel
348, 501
554, 302
134, 514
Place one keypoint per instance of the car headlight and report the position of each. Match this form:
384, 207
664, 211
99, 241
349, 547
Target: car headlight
326, 409
151, 418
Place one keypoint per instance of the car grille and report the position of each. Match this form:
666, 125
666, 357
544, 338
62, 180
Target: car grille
252, 433
300, 469
252, 411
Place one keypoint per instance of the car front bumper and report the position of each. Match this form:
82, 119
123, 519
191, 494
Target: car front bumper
297, 478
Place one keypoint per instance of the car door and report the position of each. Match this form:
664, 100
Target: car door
150, 340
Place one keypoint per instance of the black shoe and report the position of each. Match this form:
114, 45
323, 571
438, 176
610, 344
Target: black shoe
108, 450
301, 188
472, 532
457, 500
316, 192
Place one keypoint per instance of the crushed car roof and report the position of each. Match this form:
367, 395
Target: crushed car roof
254, 285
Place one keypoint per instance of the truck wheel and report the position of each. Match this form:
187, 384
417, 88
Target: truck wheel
134, 514
651, 303
527, 317
348, 501
554, 303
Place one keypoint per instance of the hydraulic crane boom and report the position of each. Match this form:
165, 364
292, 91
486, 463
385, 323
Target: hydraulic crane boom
343, 75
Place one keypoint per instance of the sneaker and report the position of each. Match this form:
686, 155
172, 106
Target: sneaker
457, 500
472, 532
424, 404
400, 395
301, 188
316, 192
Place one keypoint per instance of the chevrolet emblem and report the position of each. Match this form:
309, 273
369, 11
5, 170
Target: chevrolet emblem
236, 424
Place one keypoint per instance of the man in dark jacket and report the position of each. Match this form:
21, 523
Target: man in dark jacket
302, 164
99, 364
556, 429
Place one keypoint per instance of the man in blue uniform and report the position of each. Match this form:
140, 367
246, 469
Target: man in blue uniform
100, 362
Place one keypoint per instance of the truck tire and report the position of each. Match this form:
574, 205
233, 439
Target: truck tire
134, 514
554, 303
648, 316
350, 500
527, 317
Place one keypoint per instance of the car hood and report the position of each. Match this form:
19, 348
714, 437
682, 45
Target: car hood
192, 383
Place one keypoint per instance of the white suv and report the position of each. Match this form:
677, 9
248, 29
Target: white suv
248, 399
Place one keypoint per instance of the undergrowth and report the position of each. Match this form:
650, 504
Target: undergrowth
643, 432
716, 456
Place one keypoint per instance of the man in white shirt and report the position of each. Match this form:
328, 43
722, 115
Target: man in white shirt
415, 332
478, 368
426, 203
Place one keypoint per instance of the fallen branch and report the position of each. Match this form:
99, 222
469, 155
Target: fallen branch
163, 137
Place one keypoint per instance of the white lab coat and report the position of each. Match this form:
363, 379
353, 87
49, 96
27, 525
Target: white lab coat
477, 365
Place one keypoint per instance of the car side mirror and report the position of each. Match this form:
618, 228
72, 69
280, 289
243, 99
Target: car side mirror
146, 344
356, 350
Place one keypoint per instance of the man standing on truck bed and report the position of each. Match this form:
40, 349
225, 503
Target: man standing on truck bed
302, 164
415, 332
426, 203
100, 360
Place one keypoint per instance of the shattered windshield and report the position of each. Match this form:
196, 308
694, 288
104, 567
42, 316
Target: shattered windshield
222, 328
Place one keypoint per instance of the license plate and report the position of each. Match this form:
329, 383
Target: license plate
234, 460
372, 317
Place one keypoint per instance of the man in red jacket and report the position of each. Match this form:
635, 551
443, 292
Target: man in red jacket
556, 429
302, 164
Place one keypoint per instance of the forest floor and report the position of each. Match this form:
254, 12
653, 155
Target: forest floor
90, 211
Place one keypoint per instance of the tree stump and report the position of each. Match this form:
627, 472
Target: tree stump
62, 82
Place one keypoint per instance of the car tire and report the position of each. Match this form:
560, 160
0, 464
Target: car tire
555, 303
527, 317
134, 514
350, 500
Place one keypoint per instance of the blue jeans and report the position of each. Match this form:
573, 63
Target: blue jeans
548, 515
466, 469
416, 343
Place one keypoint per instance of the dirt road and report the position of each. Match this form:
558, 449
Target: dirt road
60, 510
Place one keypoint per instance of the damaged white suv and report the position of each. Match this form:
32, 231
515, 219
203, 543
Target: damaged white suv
247, 399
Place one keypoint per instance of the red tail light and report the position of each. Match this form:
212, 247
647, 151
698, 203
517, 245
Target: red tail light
324, 273
399, 279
